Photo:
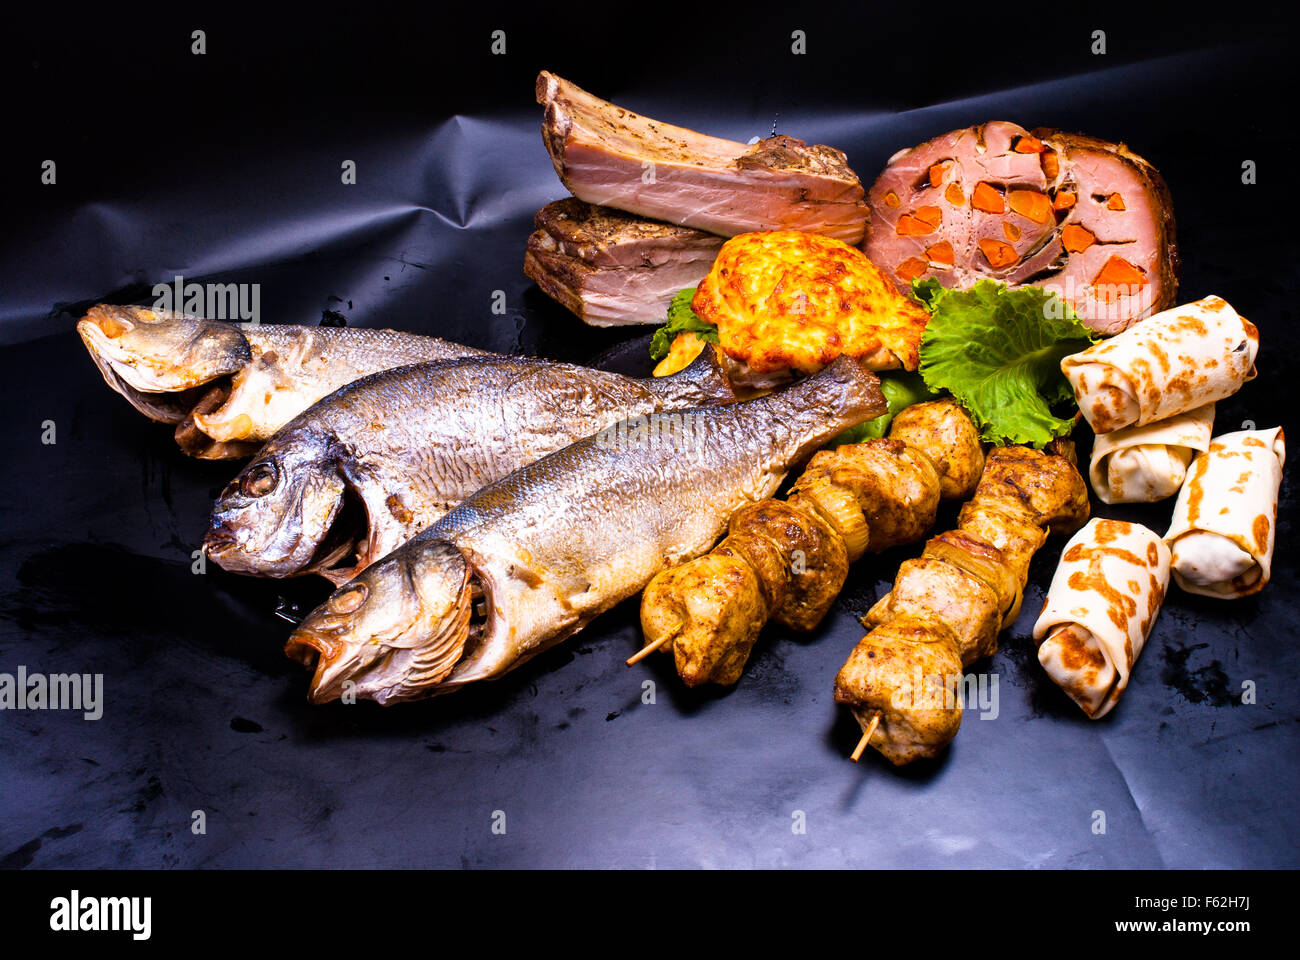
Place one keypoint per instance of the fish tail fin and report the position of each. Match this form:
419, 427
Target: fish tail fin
849, 393
703, 383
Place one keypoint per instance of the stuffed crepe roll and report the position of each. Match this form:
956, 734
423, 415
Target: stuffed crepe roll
1225, 518
1171, 363
1143, 464
1099, 611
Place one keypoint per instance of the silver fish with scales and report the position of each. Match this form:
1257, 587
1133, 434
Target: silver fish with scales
227, 387
370, 466
531, 559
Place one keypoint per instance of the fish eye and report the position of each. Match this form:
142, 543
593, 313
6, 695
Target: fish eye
260, 480
350, 599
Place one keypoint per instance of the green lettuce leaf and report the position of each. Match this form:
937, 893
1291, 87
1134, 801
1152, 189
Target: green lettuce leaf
901, 389
998, 351
681, 319
928, 291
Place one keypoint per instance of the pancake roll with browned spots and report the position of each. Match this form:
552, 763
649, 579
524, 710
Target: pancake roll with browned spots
1148, 463
1100, 609
1173, 362
1225, 518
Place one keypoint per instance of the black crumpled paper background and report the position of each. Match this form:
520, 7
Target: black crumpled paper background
225, 168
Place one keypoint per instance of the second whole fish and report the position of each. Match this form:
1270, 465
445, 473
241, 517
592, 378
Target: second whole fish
364, 470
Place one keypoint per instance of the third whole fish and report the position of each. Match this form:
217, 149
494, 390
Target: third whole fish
532, 558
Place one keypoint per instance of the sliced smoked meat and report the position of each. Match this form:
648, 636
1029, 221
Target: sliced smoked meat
612, 268
1090, 220
610, 156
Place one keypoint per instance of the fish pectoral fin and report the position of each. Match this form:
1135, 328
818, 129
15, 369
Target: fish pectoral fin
530, 578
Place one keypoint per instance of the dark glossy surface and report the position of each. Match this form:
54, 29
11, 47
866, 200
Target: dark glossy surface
203, 712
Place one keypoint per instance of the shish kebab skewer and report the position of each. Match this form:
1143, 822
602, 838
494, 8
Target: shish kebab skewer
786, 561
948, 606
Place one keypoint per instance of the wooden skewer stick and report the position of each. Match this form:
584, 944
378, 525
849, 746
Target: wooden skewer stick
866, 738
646, 650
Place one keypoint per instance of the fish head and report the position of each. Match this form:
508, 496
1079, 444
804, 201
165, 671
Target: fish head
141, 351
394, 631
283, 514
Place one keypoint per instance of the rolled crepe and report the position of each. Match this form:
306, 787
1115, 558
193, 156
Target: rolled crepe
1099, 611
1170, 363
1143, 464
1225, 518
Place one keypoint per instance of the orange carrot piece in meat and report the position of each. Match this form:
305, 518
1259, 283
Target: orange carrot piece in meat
1116, 202
987, 198
1077, 239
920, 222
941, 253
937, 172
931, 215
1064, 200
1031, 204
909, 226
1051, 165
911, 268
1028, 144
1118, 277
954, 195
891, 199
998, 254
1010, 231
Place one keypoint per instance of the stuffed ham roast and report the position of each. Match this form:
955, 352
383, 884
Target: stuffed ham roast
1089, 220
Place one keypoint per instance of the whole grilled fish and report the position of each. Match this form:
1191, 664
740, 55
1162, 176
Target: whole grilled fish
532, 558
230, 387
404, 446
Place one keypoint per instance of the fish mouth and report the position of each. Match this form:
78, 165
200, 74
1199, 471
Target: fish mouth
101, 333
164, 406
167, 395
219, 539
222, 546
409, 668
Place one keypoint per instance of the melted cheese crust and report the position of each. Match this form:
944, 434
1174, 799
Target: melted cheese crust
784, 299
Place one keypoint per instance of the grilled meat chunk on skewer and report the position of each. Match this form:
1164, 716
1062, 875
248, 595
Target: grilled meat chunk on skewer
964, 589
904, 676
943, 425
778, 562
788, 561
